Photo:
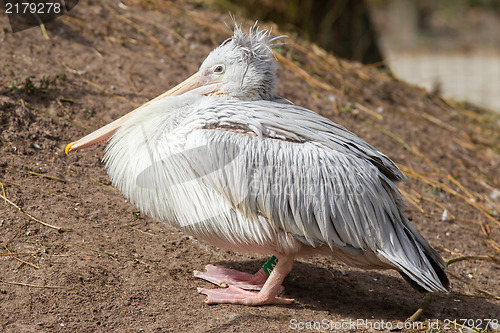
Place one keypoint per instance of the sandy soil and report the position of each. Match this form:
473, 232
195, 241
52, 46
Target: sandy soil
117, 270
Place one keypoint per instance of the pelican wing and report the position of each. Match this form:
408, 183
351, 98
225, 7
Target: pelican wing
293, 123
308, 177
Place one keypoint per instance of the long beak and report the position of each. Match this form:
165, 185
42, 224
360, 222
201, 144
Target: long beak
103, 134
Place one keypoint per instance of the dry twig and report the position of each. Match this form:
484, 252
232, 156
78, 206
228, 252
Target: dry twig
34, 218
138, 28
31, 285
425, 304
40, 190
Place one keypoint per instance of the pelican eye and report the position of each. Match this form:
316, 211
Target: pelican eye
219, 69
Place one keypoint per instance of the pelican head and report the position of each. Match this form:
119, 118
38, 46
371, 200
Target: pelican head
243, 67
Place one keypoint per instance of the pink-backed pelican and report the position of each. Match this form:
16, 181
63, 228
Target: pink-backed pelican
224, 159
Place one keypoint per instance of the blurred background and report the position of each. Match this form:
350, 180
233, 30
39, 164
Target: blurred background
447, 46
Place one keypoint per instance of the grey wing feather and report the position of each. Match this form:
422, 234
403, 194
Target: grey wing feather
315, 180
298, 123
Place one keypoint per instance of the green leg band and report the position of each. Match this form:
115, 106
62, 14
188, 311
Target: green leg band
269, 265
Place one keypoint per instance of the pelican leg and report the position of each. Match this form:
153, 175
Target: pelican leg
267, 295
225, 277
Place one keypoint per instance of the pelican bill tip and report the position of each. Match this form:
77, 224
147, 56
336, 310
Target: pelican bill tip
68, 147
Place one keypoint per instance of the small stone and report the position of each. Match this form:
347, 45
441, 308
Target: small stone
494, 195
444, 217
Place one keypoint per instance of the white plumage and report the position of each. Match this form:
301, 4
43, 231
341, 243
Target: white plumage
225, 160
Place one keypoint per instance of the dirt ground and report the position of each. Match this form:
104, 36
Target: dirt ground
113, 269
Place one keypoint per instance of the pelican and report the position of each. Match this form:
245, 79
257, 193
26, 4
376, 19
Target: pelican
223, 158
